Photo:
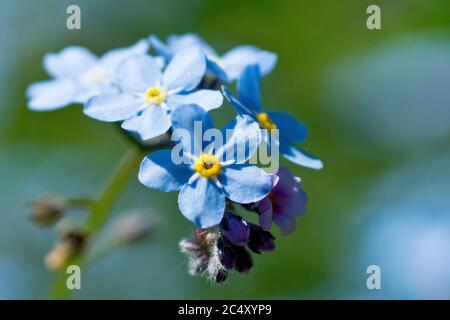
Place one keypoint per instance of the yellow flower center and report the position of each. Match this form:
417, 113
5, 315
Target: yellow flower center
207, 165
265, 122
155, 95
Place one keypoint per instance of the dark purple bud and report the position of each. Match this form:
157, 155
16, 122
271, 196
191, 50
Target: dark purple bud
260, 240
227, 256
235, 229
243, 260
221, 276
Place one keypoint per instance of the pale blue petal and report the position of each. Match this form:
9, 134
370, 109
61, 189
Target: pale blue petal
237, 105
299, 156
194, 121
249, 91
216, 70
87, 92
289, 127
238, 58
69, 62
51, 95
185, 70
158, 171
202, 203
113, 107
242, 137
113, 58
160, 47
138, 73
150, 123
207, 99
178, 42
245, 183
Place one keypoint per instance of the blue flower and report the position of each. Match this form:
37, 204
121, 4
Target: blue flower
203, 179
228, 67
147, 94
291, 132
78, 75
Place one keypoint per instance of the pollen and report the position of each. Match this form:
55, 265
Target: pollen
207, 165
265, 122
155, 95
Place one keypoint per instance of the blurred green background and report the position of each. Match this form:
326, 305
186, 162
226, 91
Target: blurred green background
377, 103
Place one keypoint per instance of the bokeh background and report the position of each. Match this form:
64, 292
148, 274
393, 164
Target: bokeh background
377, 104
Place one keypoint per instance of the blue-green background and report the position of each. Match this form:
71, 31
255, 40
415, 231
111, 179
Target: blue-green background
377, 104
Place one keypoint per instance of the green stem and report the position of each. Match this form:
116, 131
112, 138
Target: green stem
99, 213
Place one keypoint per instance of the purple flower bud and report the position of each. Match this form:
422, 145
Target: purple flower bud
232, 256
243, 260
235, 229
227, 257
260, 240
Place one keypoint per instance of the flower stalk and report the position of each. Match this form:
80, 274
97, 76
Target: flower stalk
99, 212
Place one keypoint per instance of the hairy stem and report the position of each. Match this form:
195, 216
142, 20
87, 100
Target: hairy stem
98, 214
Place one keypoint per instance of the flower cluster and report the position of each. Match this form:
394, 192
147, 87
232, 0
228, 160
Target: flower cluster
170, 93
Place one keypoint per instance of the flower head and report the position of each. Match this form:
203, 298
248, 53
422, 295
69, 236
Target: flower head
204, 179
147, 94
228, 67
78, 75
291, 131
284, 204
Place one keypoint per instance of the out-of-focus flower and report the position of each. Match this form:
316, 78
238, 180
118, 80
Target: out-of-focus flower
133, 227
228, 67
284, 203
48, 209
78, 75
203, 179
291, 132
147, 94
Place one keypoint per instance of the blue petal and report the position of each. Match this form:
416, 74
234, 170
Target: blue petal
160, 47
202, 203
69, 62
113, 58
113, 107
245, 183
238, 58
194, 121
299, 156
138, 73
178, 42
289, 127
242, 137
215, 69
236, 104
51, 95
158, 171
249, 90
207, 99
152, 122
185, 70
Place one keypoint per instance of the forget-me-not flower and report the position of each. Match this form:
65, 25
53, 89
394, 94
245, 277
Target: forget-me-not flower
204, 180
147, 94
228, 67
291, 131
78, 75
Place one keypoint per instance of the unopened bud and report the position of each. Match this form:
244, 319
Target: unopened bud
59, 255
48, 209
